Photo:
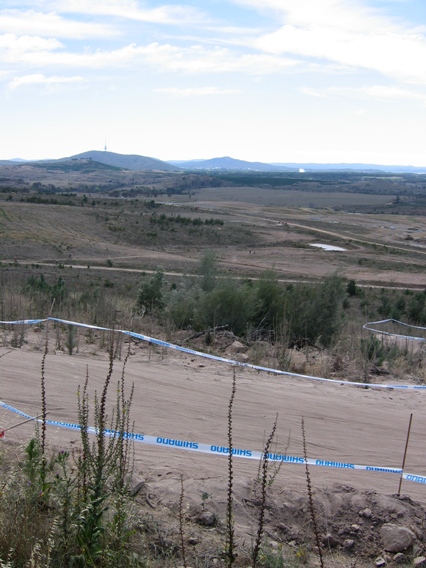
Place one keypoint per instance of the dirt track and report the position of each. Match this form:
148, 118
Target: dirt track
183, 397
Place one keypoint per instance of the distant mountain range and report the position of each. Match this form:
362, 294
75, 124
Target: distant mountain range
143, 163
228, 163
15, 162
357, 167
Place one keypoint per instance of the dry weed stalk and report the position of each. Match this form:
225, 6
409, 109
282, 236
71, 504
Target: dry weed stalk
43, 408
181, 533
264, 483
229, 512
311, 499
123, 419
100, 412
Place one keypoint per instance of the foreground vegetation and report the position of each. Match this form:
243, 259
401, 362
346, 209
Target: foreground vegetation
62, 509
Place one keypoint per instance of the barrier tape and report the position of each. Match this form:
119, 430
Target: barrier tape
189, 351
214, 449
381, 332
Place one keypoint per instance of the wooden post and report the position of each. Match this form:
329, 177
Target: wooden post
405, 454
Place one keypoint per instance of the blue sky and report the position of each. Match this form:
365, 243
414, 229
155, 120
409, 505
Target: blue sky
267, 80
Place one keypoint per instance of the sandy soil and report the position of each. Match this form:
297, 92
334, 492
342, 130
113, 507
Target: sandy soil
184, 397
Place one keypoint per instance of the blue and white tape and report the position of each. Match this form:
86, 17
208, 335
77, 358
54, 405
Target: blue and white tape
220, 450
388, 333
195, 353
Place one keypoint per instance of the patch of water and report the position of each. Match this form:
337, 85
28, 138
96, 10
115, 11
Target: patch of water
327, 247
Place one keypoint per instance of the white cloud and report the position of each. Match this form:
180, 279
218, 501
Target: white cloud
347, 32
41, 24
23, 44
197, 92
320, 94
399, 57
197, 59
375, 92
390, 93
40, 52
38, 78
129, 9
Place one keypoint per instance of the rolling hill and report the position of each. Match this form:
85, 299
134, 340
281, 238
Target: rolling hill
125, 161
227, 163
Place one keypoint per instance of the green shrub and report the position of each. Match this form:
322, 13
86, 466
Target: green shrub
314, 313
208, 270
373, 350
227, 304
150, 295
416, 308
181, 306
351, 288
269, 303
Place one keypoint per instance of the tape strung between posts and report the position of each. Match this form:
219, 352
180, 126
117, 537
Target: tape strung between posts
161, 343
381, 332
213, 449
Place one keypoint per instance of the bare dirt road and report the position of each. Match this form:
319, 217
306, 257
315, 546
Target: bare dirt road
182, 397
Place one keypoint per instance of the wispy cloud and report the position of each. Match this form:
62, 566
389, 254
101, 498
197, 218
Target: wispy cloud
390, 93
198, 59
346, 32
39, 79
375, 92
317, 93
195, 59
50, 24
197, 92
130, 9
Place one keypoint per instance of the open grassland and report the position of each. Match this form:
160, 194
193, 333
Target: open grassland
249, 234
289, 197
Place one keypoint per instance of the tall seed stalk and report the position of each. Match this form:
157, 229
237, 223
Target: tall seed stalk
311, 498
264, 483
43, 409
229, 512
181, 532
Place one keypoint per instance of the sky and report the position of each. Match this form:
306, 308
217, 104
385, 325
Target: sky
277, 81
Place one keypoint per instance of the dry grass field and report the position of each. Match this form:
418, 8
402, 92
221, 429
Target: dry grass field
260, 231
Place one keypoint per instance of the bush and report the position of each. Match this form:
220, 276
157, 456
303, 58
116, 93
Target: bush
313, 314
416, 308
150, 295
299, 313
227, 304
269, 304
351, 288
373, 350
207, 271
181, 306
